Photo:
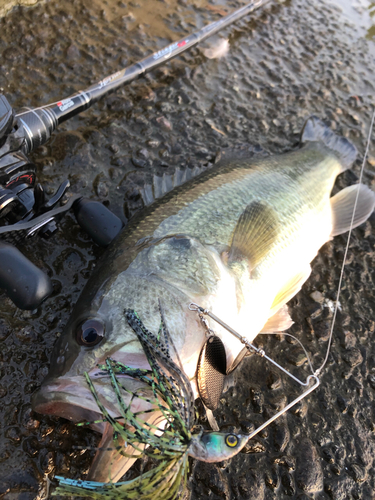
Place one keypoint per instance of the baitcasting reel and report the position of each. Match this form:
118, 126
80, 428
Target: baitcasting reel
25, 210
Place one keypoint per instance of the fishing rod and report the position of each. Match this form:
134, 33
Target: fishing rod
39, 123
24, 209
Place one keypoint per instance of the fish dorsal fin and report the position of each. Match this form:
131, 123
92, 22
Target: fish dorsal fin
290, 289
150, 188
254, 234
143, 187
342, 205
279, 322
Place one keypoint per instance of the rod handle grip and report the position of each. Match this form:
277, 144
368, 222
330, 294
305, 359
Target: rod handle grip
25, 284
98, 221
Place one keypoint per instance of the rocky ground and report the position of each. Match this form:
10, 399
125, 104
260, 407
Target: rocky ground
286, 62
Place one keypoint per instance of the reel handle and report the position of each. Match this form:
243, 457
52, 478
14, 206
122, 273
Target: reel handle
26, 285
98, 221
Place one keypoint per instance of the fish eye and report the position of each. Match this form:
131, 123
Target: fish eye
231, 440
90, 332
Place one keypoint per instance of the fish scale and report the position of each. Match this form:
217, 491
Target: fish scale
219, 209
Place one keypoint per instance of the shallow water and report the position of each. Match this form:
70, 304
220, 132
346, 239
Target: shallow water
361, 13
286, 62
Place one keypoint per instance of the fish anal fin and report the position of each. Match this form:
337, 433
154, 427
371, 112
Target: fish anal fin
254, 234
342, 205
279, 322
289, 290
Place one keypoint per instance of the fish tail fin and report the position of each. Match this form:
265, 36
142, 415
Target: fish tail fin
343, 204
315, 130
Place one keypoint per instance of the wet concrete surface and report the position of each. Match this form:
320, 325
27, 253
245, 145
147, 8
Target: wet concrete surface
287, 62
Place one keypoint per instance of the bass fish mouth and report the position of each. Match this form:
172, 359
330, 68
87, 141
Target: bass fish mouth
69, 400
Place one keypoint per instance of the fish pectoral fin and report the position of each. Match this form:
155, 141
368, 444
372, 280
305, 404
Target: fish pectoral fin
240, 356
342, 205
288, 291
109, 465
254, 234
278, 322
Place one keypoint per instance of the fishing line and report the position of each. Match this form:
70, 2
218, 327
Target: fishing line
318, 371
299, 342
95, 448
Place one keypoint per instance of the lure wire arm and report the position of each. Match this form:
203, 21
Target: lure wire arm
290, 405
308, 384
247, 344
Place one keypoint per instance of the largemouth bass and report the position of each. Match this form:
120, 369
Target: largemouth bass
238, 240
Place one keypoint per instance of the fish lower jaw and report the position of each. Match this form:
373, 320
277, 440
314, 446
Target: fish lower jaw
70, 401
71, 410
